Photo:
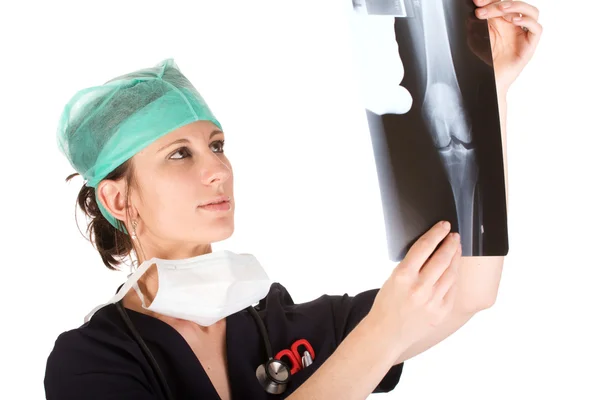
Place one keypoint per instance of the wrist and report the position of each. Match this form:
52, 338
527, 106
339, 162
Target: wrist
384, 338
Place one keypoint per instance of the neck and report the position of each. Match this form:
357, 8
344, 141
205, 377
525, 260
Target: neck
145, 250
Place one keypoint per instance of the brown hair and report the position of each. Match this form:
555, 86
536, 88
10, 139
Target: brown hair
113, 244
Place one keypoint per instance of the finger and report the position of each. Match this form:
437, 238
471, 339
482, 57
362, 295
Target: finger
501, 8
482, 3
534, 28
440, 260
449, 278
421, 250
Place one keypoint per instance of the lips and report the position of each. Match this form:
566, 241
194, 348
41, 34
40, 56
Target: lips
216, 200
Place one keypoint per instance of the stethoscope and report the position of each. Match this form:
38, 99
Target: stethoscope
273, 376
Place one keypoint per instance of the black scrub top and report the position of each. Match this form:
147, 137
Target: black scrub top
101, 359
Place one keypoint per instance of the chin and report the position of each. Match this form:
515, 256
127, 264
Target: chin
217, 232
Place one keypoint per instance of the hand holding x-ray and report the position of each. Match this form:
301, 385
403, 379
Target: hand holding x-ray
512, 32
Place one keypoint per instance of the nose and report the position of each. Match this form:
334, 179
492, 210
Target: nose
214, 170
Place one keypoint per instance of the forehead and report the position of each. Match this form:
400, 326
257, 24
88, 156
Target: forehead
196, 128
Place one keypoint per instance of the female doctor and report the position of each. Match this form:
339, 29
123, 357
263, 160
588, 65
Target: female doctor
158, 184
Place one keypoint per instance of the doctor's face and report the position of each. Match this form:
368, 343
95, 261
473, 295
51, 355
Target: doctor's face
177, 177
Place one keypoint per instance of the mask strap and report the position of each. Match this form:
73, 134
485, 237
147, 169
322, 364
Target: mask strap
136, 287
131, 282
139, 292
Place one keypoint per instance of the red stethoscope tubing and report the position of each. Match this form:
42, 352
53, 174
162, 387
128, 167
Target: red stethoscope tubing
294, 354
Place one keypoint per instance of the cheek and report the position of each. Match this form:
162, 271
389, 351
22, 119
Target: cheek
170, 199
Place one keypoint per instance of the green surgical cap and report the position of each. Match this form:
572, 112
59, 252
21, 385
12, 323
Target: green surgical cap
101, 127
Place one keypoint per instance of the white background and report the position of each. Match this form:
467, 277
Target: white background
278, 75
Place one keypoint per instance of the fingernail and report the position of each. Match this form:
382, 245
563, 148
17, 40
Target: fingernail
481, 12
517, 19
505, 4
446, 225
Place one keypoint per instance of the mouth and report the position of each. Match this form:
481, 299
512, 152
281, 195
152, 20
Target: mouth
216, 200
221, 203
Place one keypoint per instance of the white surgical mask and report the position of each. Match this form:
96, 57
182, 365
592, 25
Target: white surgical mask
202, 289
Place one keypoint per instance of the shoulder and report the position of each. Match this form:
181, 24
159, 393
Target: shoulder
94, 356
279, 296
342, 312
80, 347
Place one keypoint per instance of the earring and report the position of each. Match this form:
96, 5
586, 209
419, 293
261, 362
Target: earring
134, 234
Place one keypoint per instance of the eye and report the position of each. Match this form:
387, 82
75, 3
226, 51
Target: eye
183, 152
220, 144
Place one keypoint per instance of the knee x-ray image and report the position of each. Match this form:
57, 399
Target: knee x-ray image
432, 110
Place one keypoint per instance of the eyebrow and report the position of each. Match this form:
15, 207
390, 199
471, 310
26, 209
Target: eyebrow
184, 140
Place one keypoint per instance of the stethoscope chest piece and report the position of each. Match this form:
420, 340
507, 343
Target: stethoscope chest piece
273, 376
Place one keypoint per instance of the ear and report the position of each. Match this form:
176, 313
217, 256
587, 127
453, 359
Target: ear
113, 195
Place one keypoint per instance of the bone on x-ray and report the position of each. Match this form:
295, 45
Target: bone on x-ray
389, 36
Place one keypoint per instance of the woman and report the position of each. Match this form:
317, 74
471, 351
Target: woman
159, 184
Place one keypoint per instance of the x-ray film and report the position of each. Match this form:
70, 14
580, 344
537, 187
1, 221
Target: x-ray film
428, 86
